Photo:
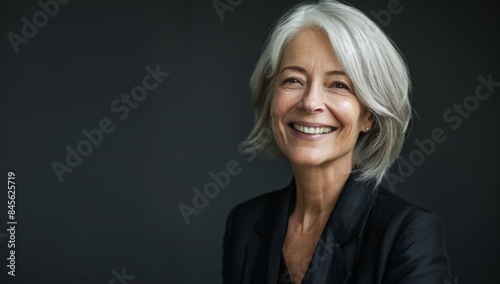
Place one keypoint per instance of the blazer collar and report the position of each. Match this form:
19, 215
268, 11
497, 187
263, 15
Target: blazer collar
344, 225
351, 210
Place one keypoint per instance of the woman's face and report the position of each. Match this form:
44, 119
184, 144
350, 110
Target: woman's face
316, 116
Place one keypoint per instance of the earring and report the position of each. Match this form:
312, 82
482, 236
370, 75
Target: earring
368, 128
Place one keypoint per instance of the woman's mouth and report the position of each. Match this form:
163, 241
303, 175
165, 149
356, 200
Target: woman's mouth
312, 129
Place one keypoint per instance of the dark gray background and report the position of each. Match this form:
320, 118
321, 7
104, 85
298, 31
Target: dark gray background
118, 208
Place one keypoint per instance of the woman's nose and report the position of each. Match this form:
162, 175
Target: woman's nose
312, 100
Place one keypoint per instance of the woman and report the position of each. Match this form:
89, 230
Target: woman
334, 91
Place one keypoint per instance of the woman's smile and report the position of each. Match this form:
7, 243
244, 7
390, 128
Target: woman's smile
311, 131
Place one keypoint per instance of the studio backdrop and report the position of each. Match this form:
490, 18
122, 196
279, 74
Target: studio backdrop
122, 123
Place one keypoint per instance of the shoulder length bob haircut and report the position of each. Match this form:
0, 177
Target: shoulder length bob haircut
370, 59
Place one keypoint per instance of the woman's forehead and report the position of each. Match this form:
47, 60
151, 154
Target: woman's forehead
310, 49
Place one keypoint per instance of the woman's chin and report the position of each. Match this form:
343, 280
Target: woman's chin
309, 158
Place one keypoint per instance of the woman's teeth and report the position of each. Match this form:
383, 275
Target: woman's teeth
312, 130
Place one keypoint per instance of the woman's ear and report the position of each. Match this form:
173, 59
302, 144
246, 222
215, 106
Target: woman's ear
368, 121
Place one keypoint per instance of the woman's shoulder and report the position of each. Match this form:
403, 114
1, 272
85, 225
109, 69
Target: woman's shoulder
411, 239
394, 207
406, 228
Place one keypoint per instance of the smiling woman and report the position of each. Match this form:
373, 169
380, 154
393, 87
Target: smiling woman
334, 90
314, 106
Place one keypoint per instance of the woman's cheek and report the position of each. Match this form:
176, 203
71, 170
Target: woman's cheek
276, 118
277, 108
346, 111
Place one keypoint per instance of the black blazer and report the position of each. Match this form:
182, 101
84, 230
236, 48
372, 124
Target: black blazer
372, 236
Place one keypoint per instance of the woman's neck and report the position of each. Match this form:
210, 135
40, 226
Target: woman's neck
317, 191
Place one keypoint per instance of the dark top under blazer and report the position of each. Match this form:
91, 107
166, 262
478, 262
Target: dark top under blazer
370, 237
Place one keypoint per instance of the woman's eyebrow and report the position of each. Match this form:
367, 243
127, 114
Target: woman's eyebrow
336, 72
295, 68
302, 70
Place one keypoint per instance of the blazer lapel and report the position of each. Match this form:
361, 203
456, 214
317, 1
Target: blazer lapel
335, 253
336, 250
272, 228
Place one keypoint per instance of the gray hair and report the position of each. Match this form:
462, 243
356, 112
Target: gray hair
370, 59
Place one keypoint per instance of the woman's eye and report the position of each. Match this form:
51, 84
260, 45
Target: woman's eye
291, 81
340, 85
